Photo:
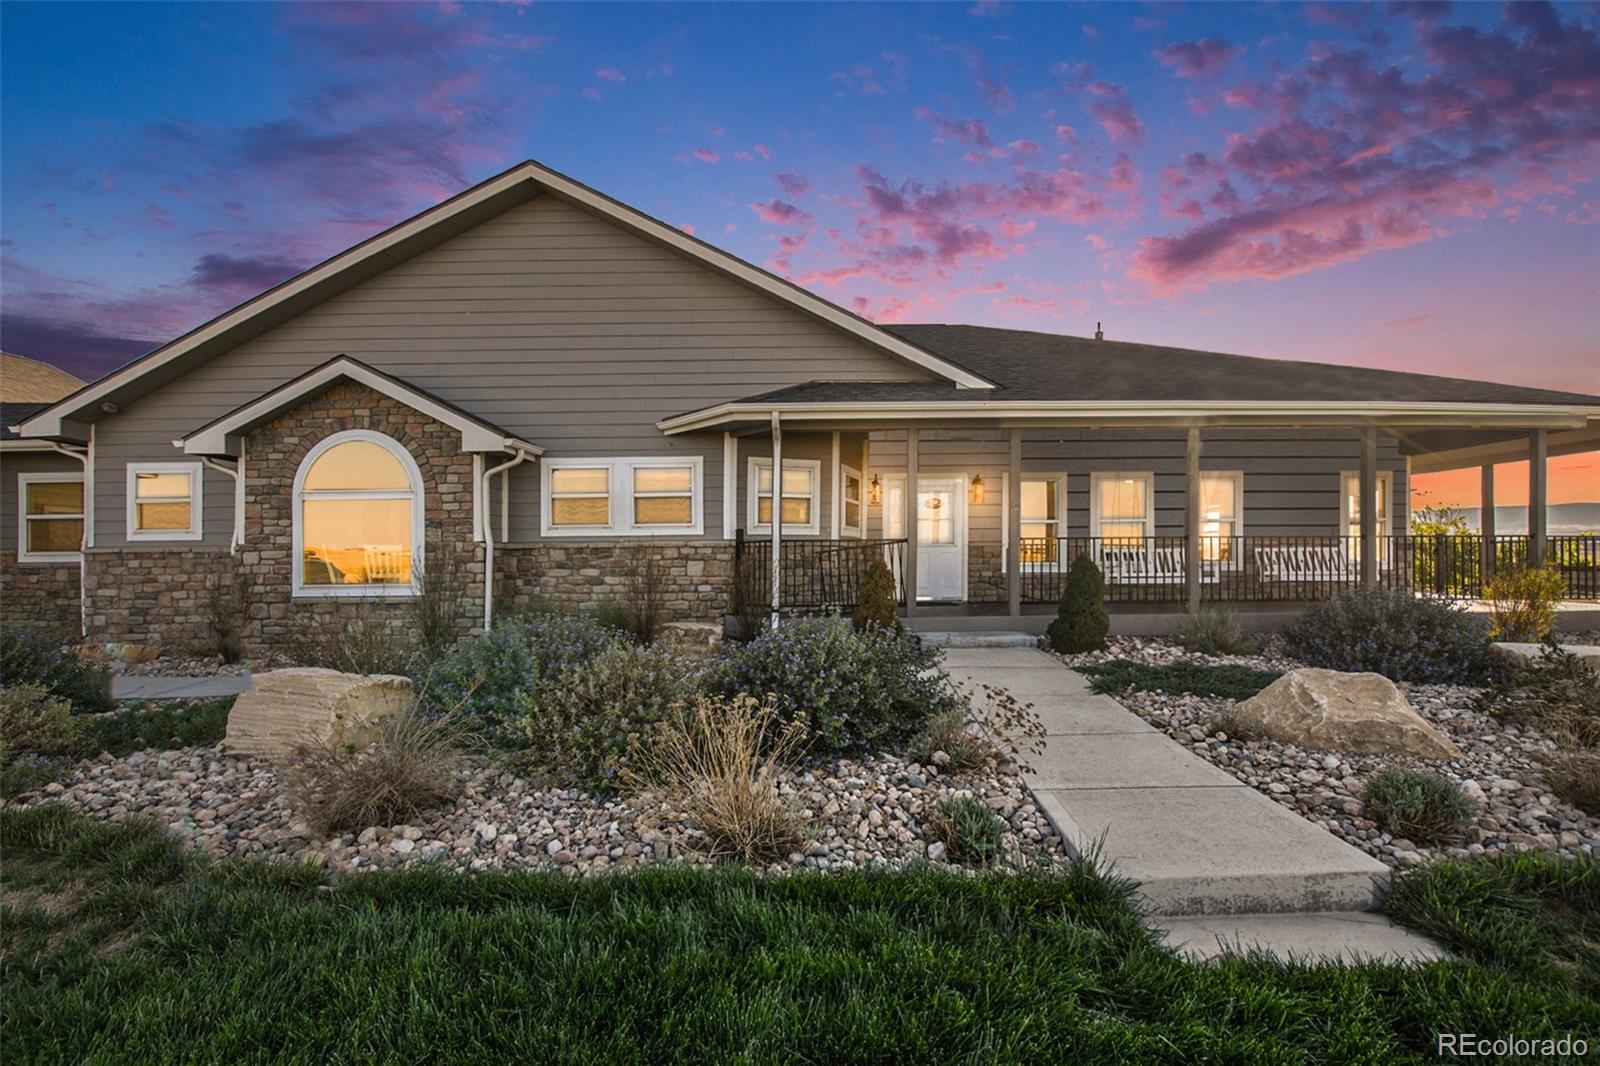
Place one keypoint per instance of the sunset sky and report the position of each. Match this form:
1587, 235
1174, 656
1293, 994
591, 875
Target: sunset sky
1411, 185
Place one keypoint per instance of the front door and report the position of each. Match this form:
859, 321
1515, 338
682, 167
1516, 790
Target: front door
941, 538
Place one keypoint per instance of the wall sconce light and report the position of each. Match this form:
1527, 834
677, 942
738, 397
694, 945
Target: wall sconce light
875, 491
977, 488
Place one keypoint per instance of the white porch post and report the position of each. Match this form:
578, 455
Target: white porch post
1191, 518
1486, 518
777, 516
910, 505
1369, 507
1014, 528
1538, 496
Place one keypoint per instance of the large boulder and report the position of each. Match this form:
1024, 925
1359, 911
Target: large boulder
1344, 712
692, 640
287, 708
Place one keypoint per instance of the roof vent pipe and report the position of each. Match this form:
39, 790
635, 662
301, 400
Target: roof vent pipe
1099, 334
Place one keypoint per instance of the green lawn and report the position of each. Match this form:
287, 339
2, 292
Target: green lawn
115, 948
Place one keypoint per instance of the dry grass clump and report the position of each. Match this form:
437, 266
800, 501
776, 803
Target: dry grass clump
409, 767
989, 725
1575, 777
722, 759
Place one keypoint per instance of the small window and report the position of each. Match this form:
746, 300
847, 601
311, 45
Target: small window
1221, 514
850, 500
164, 501
51, 511
1122, 507
1350, 511
799, 495
1041, 520
643, 496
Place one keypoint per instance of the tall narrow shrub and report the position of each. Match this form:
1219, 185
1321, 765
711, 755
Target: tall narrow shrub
1081, 621
875, 602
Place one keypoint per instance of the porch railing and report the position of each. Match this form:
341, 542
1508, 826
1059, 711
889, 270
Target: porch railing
1248, 569
814, 575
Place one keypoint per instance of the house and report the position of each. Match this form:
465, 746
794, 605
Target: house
530, 387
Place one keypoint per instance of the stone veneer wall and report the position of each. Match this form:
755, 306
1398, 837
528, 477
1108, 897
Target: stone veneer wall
696, 575
986, 579
166, 597
274, 452
44, 594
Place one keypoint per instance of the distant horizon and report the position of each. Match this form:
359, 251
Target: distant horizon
1562, 518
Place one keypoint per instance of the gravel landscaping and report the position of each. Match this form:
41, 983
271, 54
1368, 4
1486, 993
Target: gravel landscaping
1499, 767
858, 814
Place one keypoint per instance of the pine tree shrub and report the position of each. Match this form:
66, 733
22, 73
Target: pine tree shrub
1081, 622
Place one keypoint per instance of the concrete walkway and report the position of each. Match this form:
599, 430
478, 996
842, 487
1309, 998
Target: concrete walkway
155, 687
1200, 842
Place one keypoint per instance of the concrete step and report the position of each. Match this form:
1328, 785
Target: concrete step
1315, 937
955, 639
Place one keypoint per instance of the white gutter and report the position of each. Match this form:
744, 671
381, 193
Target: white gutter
519, 456
83, 584
1263, 412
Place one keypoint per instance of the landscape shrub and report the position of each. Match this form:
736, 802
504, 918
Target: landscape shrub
409, 768
490, 675
612, 615
1423, 807
1556, 691
951, 732
970, 832
876, 605
1081, 621
226, 610
854, 688
30, 654
1575, 777
1215, 631
584, 724
439, 604
35, 720
722, 760
647, 594
358, 639
1523, 602
1402, 637
1196, 679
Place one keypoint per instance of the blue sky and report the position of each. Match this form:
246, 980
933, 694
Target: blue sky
1405, 185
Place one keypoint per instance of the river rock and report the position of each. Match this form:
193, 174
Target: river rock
1327, 709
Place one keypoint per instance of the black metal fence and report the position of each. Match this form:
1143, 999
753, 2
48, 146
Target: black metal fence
814, 575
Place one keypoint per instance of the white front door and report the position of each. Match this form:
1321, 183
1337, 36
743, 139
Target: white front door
941, 538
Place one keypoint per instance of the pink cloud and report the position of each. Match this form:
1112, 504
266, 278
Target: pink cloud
793, 184
706, 155
610, 74
1195, 59
779, 212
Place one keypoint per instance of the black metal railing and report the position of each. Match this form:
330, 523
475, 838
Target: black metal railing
814, 574
1300, 569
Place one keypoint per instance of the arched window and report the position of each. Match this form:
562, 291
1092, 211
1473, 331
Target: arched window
357, 518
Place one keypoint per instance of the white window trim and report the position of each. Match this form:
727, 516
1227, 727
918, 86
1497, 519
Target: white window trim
752, 497
619, 481
23, 481
299, 589
1060, 478
845, 528
1385, 479
197, 481
1149, 479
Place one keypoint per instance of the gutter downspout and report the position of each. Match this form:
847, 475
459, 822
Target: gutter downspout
518, 457
236, 539
83, 583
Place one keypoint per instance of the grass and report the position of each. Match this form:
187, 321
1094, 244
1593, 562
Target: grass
116, 948
1232, 682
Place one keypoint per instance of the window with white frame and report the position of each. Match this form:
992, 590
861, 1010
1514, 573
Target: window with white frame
164, 501
1221, 513
643, 496
1041, 519
851, 520
1350, 510
358, 506
1122, 507
49, 518
799, 495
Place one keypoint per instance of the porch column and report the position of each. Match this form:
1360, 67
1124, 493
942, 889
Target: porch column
1014, 528
777, 516
909, 570
1369, 508
1191, 518
1538, 496
1486, 518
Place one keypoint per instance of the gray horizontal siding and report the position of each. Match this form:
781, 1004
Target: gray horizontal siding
1291, 477
556, 325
